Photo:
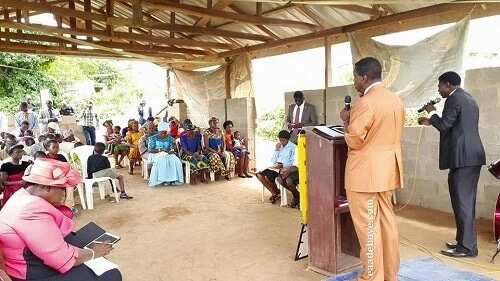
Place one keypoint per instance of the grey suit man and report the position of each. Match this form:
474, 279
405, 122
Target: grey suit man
462, 152
300, 114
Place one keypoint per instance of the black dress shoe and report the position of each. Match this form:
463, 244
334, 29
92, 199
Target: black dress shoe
451, 245
454, 253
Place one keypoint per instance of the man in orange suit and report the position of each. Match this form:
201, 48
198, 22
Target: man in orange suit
373, 129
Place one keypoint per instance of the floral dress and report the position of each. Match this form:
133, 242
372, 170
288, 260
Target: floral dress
133, 138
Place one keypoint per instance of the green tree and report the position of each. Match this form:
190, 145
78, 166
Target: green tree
271, 123
22, 75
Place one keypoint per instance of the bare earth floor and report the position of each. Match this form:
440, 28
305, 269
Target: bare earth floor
222, 232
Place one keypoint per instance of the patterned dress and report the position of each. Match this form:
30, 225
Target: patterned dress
134, 138
192, 145
216, 163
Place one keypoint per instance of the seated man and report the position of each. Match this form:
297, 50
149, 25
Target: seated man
289, 179
98, 166
283, 157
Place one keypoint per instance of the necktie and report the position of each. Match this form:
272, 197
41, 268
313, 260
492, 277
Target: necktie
26, 117
296, 120
50, 114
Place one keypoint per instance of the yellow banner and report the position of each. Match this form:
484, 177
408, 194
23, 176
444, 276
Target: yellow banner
304, 204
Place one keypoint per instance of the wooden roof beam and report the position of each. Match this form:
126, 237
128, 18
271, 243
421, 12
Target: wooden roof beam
220, 5
200, 11
102, 35
120, 21
423, 17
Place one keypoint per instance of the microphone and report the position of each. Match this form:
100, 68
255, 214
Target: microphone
433, 102
347, 103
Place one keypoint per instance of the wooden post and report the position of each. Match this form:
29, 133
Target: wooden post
137, 12
328, 71
18, 18
328, 63
172, 21
169, 89
59, 25
209, 6
6, 17
88, 23
110, 11
228, 79
72, 22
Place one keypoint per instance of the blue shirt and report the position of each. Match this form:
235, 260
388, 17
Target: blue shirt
285, 156
189, 144
157, 143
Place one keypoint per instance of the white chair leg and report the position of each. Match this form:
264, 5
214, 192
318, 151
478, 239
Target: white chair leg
263, 190
114, 188
188, 172
102, 190
212, 176
284, 196
90, 196
81, 193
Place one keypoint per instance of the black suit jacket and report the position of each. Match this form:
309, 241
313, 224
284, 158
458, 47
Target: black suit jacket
460, 144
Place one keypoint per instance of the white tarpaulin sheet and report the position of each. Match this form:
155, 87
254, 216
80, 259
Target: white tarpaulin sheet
412, 71
197, 88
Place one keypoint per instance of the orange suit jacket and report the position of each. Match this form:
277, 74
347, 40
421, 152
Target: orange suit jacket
374, 161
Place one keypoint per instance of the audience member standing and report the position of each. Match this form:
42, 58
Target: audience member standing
48, 115
89, 119
25, 115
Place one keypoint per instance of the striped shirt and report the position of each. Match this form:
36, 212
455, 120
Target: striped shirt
89, 118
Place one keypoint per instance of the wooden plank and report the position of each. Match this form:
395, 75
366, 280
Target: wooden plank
88, 23
328, 63
259, 26
357, 9
199, 11
18, 19
220, 5
311, 15
227, 79
428, 16
119, 35
119, 21
110, 11
137, 12
6, 16
72, 20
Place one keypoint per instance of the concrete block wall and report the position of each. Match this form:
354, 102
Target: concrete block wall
425, 184
216, 108
243, 114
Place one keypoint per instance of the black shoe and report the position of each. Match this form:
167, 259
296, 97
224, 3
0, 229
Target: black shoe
451, 245
454, 253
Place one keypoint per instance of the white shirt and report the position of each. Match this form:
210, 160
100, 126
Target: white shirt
301, 108
434, 112
371, 86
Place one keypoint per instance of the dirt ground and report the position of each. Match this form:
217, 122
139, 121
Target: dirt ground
222, 232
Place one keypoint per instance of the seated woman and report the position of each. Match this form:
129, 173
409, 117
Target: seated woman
167, 167
33, 226
283, 157
120, 148
216, 151
11, 172
108, 136
191, 151
133, 136
149, 130
240, 155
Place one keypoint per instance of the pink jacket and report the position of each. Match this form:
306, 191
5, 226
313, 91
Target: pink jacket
32, 235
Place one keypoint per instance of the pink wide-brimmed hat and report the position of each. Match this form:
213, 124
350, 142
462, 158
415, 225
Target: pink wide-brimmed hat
53, 173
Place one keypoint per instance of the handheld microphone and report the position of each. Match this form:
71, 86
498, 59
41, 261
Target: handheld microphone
347, 103
433, 102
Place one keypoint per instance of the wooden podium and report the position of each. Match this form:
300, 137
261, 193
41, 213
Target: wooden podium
333, 244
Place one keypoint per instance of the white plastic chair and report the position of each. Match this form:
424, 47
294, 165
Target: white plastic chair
185, 164
83, 153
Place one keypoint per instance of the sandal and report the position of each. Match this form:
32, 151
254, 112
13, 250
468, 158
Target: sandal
124, 195
275, 198
248, 176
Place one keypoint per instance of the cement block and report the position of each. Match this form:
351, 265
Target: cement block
216, 108
335, 102
314, 97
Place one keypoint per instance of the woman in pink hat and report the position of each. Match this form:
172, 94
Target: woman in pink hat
33, 225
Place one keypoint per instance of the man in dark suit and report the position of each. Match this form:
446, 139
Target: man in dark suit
461, 151
300, 114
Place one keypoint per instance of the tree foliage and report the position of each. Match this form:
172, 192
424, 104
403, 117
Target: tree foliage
271, 123
22, 75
